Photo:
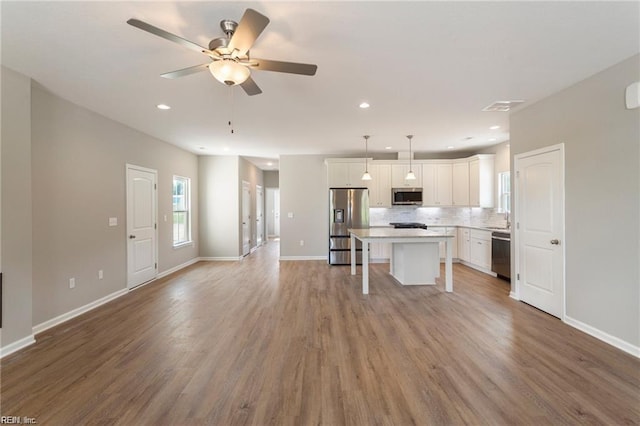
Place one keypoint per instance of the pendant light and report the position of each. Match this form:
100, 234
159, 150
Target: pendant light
366, 175
410, 175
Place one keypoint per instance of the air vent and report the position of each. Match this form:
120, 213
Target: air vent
502, 106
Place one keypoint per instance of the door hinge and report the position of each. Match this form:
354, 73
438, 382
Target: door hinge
518, 174
518, 277
156, 265
518, 225
155, 226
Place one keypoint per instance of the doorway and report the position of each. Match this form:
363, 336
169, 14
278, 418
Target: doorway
142, 233
259, 216
246, 218
273, 212
539, 229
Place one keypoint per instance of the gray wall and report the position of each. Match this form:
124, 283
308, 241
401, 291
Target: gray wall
79, 160
602, 187
17, 243
303, 192
271, 179
220, 206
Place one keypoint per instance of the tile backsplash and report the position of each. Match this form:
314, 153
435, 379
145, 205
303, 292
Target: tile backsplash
444, 216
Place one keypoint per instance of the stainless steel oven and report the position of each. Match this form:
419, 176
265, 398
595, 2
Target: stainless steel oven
501, 253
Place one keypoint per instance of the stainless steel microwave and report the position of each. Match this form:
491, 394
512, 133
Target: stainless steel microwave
406, 196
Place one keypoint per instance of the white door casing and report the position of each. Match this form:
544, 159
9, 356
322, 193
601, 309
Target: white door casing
539, 233
142, 248
246, 218
259, 215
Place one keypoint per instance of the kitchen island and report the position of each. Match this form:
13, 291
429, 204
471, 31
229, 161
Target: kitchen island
414, 259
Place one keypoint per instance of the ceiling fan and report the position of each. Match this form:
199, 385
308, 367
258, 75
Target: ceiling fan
231, 63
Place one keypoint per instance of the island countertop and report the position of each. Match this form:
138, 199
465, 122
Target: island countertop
384, 232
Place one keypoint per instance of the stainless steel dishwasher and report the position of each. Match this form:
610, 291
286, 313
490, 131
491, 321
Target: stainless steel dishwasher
501, 253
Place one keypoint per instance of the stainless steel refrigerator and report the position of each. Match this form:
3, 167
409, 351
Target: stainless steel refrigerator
348, 208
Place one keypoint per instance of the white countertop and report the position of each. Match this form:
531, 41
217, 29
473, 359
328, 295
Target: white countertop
388, 232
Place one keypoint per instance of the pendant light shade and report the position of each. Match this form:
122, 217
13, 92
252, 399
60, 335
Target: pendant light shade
366, 175
410, 175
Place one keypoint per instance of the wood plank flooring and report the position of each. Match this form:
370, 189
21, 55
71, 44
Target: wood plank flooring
262, 342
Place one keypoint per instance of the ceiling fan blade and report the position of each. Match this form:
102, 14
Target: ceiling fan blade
279, 66
250, 27
168, 36
185, 71
250, 87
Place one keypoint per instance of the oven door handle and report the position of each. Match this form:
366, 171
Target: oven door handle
501, 239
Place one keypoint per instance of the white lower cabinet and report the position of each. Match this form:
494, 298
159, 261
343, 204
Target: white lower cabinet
449, 230
380, 252
480, 249
464, 242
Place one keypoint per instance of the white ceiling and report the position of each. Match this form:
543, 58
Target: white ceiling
426, 68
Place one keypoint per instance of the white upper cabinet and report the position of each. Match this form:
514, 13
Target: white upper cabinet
481, 180
461, 183
437, 184
342, 174
380, 185
399, 172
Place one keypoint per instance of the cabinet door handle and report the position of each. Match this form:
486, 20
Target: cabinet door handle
555, 242
131, 237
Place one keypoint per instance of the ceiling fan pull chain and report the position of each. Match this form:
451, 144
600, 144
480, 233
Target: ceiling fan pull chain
231, 103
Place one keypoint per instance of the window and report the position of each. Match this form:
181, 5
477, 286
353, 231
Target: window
504, 191
181, 211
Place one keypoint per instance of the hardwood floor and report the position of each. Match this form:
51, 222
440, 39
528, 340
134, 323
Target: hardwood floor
264, 342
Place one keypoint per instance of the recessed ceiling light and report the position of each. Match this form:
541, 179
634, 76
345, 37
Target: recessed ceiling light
225, 149
387, 147
163, 106
364, 105
494, 127
269, 164
492, 140
450, 147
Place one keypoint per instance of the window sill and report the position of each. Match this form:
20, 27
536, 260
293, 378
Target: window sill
182, 245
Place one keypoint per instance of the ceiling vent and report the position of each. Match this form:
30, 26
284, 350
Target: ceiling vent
502, 106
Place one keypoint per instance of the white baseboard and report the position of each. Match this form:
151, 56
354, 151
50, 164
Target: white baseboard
17, 345
513, 295
78, 311
220, 259
177, 268
605, 337
478, 268
303, 258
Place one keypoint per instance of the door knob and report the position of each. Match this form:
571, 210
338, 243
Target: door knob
131, 237
555, 242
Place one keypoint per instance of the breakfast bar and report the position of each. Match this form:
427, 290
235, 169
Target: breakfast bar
414, 259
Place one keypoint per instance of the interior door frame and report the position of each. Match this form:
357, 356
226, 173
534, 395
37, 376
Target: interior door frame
516, 203
129, 167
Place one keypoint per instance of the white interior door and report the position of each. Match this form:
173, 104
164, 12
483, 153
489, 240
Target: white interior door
246, 218
259, 215
540, 229
142, 262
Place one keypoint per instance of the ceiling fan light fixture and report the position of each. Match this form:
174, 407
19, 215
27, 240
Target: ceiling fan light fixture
229, 72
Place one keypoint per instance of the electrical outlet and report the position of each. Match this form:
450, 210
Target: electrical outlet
301, 243
72, 282
100, 274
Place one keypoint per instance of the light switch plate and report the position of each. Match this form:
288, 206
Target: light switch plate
290, 215
113, 221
